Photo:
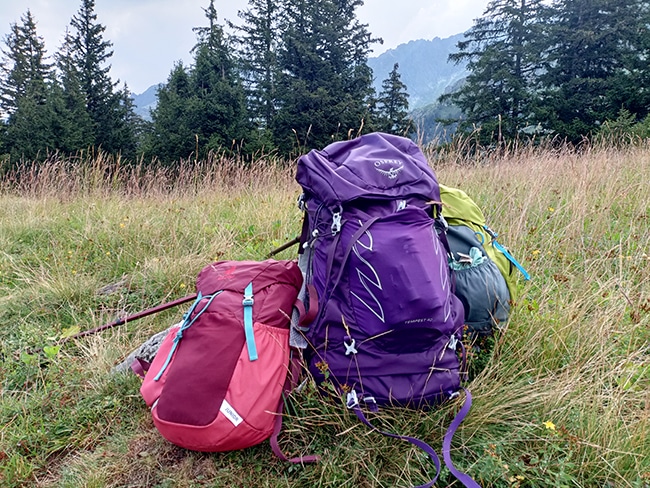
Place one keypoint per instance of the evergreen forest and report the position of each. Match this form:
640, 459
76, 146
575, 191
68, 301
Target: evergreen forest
290, 75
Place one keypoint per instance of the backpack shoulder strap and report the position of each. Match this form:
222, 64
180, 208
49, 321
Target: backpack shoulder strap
353, 404
464, 478
293, 374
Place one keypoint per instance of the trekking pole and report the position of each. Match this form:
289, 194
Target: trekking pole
130, 318
287, 245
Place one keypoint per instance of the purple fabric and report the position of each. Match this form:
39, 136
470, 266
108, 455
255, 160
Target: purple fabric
388, 320
377, 164
464, 478
413, 440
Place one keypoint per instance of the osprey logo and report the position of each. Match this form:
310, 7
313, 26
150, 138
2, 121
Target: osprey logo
389, 167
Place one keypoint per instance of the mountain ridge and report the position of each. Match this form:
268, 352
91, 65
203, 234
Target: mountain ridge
423, 67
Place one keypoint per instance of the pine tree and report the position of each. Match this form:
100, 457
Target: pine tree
105, 105
24, 64
3, 146
25, 87
219, 116
393, 105
634, 79
590, 72
325, 85
257, 42
504, 49
201, 109
75, 127
172, 136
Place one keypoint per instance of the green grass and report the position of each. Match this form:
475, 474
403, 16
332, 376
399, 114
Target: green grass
564, 399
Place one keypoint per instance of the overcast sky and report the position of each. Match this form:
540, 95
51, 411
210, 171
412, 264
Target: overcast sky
149, 36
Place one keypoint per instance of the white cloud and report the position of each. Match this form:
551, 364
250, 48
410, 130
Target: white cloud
149, 36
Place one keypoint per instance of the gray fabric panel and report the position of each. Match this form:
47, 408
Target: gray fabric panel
482, 289
484, 294
296, 338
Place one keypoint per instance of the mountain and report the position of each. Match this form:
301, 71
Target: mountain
423, 68
146, 101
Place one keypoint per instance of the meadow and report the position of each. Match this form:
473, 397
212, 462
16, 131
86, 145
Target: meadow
562, 401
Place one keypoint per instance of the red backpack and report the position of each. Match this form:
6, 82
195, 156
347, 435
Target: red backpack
217, 381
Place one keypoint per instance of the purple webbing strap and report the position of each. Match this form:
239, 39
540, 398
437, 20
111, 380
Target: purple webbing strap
140, 367
416, 442
353, 240
275, 446
465, 479
289, 384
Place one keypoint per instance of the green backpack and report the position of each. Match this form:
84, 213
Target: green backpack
484, 270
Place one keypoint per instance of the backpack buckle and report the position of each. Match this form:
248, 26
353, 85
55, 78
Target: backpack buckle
248, 301
371, 403
352, 400
336, 222
491, 233
442, 223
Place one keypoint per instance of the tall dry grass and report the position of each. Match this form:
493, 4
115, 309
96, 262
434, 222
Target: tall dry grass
563, 401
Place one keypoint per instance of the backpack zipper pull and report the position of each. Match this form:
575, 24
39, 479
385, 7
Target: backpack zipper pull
506, 253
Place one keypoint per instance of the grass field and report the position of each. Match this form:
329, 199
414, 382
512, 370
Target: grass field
564, 400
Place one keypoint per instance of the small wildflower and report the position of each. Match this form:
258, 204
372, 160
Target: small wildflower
122, 225
520, 477
182, 285
549, 425
108, 253
551, 209
322, 366
536, 252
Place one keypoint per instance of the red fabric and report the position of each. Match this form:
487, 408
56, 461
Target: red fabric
254, 392
211, 361
150, 389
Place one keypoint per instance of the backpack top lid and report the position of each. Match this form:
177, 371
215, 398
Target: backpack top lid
374, 165
236, 275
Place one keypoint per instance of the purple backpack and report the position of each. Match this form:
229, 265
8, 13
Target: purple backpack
389, 328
